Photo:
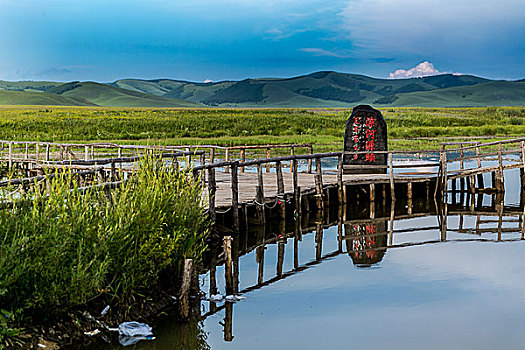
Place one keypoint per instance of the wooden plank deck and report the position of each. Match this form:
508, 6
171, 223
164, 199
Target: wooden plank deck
248, 183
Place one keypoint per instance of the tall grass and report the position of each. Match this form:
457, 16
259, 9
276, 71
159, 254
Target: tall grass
62, 250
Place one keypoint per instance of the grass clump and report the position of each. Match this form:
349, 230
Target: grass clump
60, 251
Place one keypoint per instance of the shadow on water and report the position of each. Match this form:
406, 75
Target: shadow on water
362, 230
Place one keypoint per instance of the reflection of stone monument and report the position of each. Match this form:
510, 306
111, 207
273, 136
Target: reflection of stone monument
365, 132
366, 243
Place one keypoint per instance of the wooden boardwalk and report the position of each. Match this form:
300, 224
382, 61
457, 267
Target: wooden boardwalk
248, 183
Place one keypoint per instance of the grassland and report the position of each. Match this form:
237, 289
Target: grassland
413, 128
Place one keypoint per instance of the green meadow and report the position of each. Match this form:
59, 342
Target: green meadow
408, 128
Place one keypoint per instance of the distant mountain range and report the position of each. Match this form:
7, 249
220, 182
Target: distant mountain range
320, 89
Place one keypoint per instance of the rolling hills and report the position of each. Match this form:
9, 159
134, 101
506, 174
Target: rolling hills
320, 89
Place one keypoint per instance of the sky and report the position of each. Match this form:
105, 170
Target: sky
203, 40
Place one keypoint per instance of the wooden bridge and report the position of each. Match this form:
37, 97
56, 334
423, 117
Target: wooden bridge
237, 185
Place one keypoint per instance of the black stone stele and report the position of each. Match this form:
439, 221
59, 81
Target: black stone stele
365, 132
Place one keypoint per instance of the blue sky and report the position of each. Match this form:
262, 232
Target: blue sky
234, 39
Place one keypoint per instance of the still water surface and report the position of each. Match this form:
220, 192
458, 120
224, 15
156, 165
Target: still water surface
413, 285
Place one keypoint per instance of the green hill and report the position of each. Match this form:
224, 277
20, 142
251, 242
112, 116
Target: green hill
110, 96
494, 93
320, 89
38, 98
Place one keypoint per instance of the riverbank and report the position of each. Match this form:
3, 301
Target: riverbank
68, 253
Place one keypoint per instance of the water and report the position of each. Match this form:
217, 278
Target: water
408, 284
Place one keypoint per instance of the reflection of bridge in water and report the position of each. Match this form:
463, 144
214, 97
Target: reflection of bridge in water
365, 232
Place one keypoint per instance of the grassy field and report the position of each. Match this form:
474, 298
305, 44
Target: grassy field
408, 128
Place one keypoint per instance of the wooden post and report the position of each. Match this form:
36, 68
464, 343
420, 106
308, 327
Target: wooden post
391, 169
10, 155
260, 195
212, 189
235, 196
86, 152
500, 182
268, 156
280, 181
184, 297
228, 271
319, 184
292, 153
113, 172
445, 175
280, 192
340, 197
26, 154
310, 160
472, 184
227, 159
92, 152
296, 186
523, 161
481, 184
243, 158
212, 155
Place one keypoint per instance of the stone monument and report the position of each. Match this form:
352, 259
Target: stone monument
365, 132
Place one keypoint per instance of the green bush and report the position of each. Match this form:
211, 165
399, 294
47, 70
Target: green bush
60, 251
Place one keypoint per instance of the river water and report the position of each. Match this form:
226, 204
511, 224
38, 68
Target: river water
419, 281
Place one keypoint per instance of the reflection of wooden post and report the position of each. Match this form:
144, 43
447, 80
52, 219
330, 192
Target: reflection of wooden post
235, 262
235, 196
372, 201
228, 322
259, 257
500, 216
409, 198
391, 229
280, 258
319, 240
185, 289
319, 184
228, 272
340, 229
444, 223
296, 247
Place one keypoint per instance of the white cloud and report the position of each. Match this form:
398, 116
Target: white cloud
423, 69
321, 52
208, 81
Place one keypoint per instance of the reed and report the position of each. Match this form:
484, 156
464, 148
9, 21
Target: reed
60, 251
